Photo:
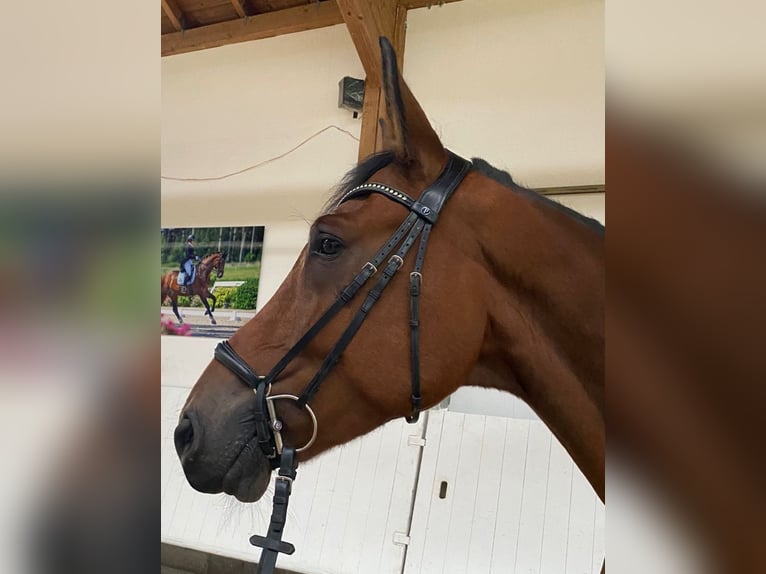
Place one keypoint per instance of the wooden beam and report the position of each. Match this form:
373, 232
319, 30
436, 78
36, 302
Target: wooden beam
571, 189
174, 14
367, 22
266, 25
239, 8
232, 32
370, 138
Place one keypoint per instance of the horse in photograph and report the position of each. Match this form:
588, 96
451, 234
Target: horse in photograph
473, 280
200, 287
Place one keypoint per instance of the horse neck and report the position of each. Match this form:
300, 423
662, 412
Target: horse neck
545, 332
206, 265
205, 268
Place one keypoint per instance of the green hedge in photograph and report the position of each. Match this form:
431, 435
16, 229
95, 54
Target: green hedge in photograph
224, 296
246, 295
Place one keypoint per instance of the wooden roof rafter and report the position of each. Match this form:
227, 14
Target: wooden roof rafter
240, 7
256, 27
193, 31
174, 14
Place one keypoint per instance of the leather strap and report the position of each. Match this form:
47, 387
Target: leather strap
263, 431
272, 544
226, 355
372, 297
431, 201
416, 283
367, 188
346, 295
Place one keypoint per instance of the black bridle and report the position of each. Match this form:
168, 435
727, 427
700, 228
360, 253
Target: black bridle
423, 214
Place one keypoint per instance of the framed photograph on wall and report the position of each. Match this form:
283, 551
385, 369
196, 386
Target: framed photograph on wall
209, 279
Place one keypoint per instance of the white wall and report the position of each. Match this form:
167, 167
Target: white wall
231, 107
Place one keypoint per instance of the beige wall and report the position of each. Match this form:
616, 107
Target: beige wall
519, 83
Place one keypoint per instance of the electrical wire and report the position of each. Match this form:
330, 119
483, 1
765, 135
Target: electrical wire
264, 162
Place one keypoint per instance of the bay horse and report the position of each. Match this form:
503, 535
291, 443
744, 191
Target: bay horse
509, 295
200, 287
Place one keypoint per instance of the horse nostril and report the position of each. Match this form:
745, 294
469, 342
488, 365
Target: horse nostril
184, 436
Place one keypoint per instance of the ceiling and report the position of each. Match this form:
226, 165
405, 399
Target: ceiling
189, 25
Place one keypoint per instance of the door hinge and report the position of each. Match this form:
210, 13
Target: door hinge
401, 539
415, 440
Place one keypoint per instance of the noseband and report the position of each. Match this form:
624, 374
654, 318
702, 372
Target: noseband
423, 214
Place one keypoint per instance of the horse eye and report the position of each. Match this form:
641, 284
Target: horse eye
328, 247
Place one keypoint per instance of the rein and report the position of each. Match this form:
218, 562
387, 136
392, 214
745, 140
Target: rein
423, 215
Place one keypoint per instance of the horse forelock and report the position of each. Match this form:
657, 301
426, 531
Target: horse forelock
359, 174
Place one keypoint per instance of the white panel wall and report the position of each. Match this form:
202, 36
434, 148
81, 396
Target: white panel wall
501, 495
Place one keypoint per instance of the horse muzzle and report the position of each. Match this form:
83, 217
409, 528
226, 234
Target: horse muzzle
225, 459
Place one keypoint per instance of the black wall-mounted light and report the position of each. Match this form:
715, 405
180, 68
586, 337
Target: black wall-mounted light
351, 94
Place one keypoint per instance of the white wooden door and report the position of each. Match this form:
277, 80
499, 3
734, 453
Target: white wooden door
500, 494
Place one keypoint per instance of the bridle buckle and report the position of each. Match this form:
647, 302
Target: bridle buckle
285, 478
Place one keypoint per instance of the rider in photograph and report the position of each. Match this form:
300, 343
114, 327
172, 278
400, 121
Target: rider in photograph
187, 265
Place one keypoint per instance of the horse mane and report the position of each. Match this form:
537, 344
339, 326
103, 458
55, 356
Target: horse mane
505, 179
211, 255
370, 165
207, 259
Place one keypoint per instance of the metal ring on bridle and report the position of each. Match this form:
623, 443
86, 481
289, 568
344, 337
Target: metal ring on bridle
277, 434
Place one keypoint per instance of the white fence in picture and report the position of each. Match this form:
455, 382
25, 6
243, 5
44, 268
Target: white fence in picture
227, 284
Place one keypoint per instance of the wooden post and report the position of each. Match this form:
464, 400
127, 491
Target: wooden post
367, 22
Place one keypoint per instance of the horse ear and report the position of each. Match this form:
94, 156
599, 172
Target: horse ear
406, 131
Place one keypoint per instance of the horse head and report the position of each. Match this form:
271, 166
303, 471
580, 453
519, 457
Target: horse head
216, 437
220, 264
336, 367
